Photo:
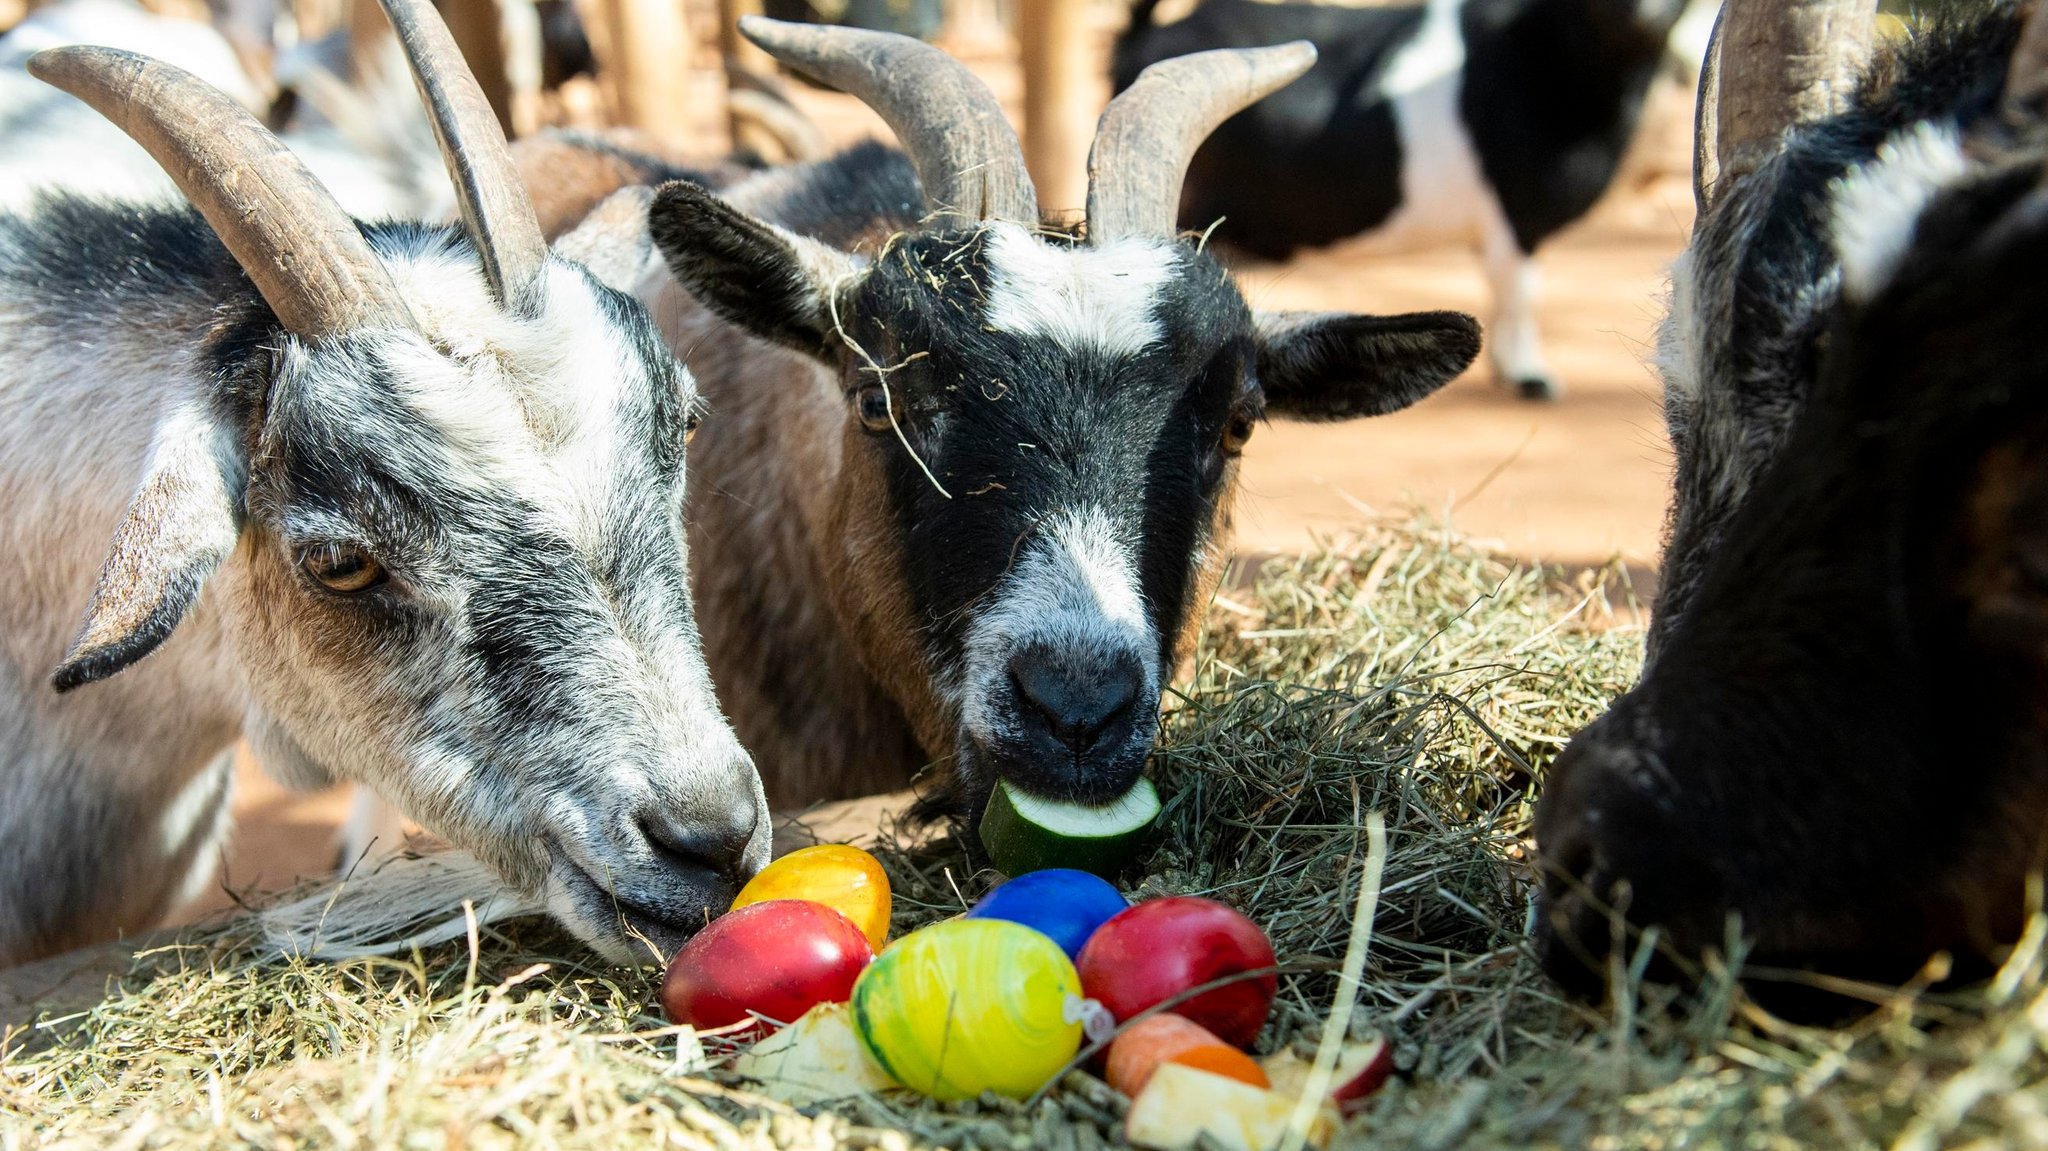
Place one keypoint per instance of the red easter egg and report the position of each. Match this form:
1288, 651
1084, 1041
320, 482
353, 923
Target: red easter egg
778, 959
1163, 947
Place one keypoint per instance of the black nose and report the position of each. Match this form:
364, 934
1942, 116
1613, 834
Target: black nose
1076, 702
700, 846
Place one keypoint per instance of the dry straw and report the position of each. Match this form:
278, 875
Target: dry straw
1406, 672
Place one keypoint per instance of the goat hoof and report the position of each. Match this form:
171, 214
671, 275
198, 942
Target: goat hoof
1538, 388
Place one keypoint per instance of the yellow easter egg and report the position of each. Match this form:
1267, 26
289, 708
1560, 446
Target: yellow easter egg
970, 1005
840, 876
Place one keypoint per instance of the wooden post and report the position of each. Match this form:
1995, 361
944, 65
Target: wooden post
643, 50
738, 51
1059, 111
479, 31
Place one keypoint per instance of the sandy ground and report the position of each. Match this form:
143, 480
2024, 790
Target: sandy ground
1577, 482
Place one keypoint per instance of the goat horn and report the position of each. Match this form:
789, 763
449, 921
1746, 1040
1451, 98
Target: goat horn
966, 155
304, 254
496, 211
1148, 134
1782, 63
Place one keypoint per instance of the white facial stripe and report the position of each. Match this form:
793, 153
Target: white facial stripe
1437, 51
550, 429
1075, 589
1878, 204
1100, 298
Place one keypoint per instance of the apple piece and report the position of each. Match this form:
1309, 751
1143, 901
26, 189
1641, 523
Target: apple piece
1026, 833
1163, 947
1182, 1104
814, 1059
1224, 1060
1361, 1070
1138, 1050
776, 959
840, 876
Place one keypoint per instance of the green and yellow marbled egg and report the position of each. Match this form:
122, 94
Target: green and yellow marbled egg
970, 1005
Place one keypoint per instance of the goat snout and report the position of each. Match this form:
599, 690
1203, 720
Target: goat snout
1074, 725
1612, 853
700, 846
1080, 707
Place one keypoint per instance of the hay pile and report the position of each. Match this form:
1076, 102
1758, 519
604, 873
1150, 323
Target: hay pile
1406, 671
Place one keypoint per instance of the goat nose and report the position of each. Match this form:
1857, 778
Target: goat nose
1074, 701
717, 844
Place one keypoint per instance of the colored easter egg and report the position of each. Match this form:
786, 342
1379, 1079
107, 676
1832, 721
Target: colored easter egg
1138, 1050
970, 1005
1163, 947
1065, 904
777, 959
838, 875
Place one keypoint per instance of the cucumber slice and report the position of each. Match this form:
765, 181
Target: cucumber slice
1025, 833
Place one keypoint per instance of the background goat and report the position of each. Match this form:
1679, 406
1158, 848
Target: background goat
969, 479
1839, 737
409, 514
368, 145
1494, 122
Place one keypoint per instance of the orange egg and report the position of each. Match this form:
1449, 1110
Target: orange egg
1139, 1049
842, 877
1229, 1062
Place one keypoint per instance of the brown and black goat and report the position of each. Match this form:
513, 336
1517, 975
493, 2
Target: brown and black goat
967, 478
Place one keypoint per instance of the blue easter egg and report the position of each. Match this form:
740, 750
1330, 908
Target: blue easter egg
1059, 902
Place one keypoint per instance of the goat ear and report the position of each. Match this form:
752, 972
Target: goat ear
181, 523
772, 282
1337, 366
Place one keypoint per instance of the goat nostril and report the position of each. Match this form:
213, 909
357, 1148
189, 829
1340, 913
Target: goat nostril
1075, 706
718, 850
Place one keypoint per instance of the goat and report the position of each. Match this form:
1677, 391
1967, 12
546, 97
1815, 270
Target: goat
409, 514
371, 149
1490, 122
968, 481
1837, 741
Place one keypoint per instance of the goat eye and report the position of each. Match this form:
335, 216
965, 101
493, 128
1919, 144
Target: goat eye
690, 424
343, 568
1236, 433
872, 402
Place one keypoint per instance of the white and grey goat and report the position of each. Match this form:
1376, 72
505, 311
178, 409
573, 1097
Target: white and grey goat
398, 503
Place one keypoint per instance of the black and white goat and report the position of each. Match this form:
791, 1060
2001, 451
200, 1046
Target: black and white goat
1839, 743
968, 481
1490, 122
399, 503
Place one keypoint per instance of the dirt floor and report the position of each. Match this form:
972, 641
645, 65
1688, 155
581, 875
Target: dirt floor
1574, 482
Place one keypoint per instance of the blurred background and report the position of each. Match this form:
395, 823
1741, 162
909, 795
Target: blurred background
1577, 481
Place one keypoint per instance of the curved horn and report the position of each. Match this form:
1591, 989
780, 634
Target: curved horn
496, 211
1781, 63
1706, 161
304, 254
966, 154
1148, 134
